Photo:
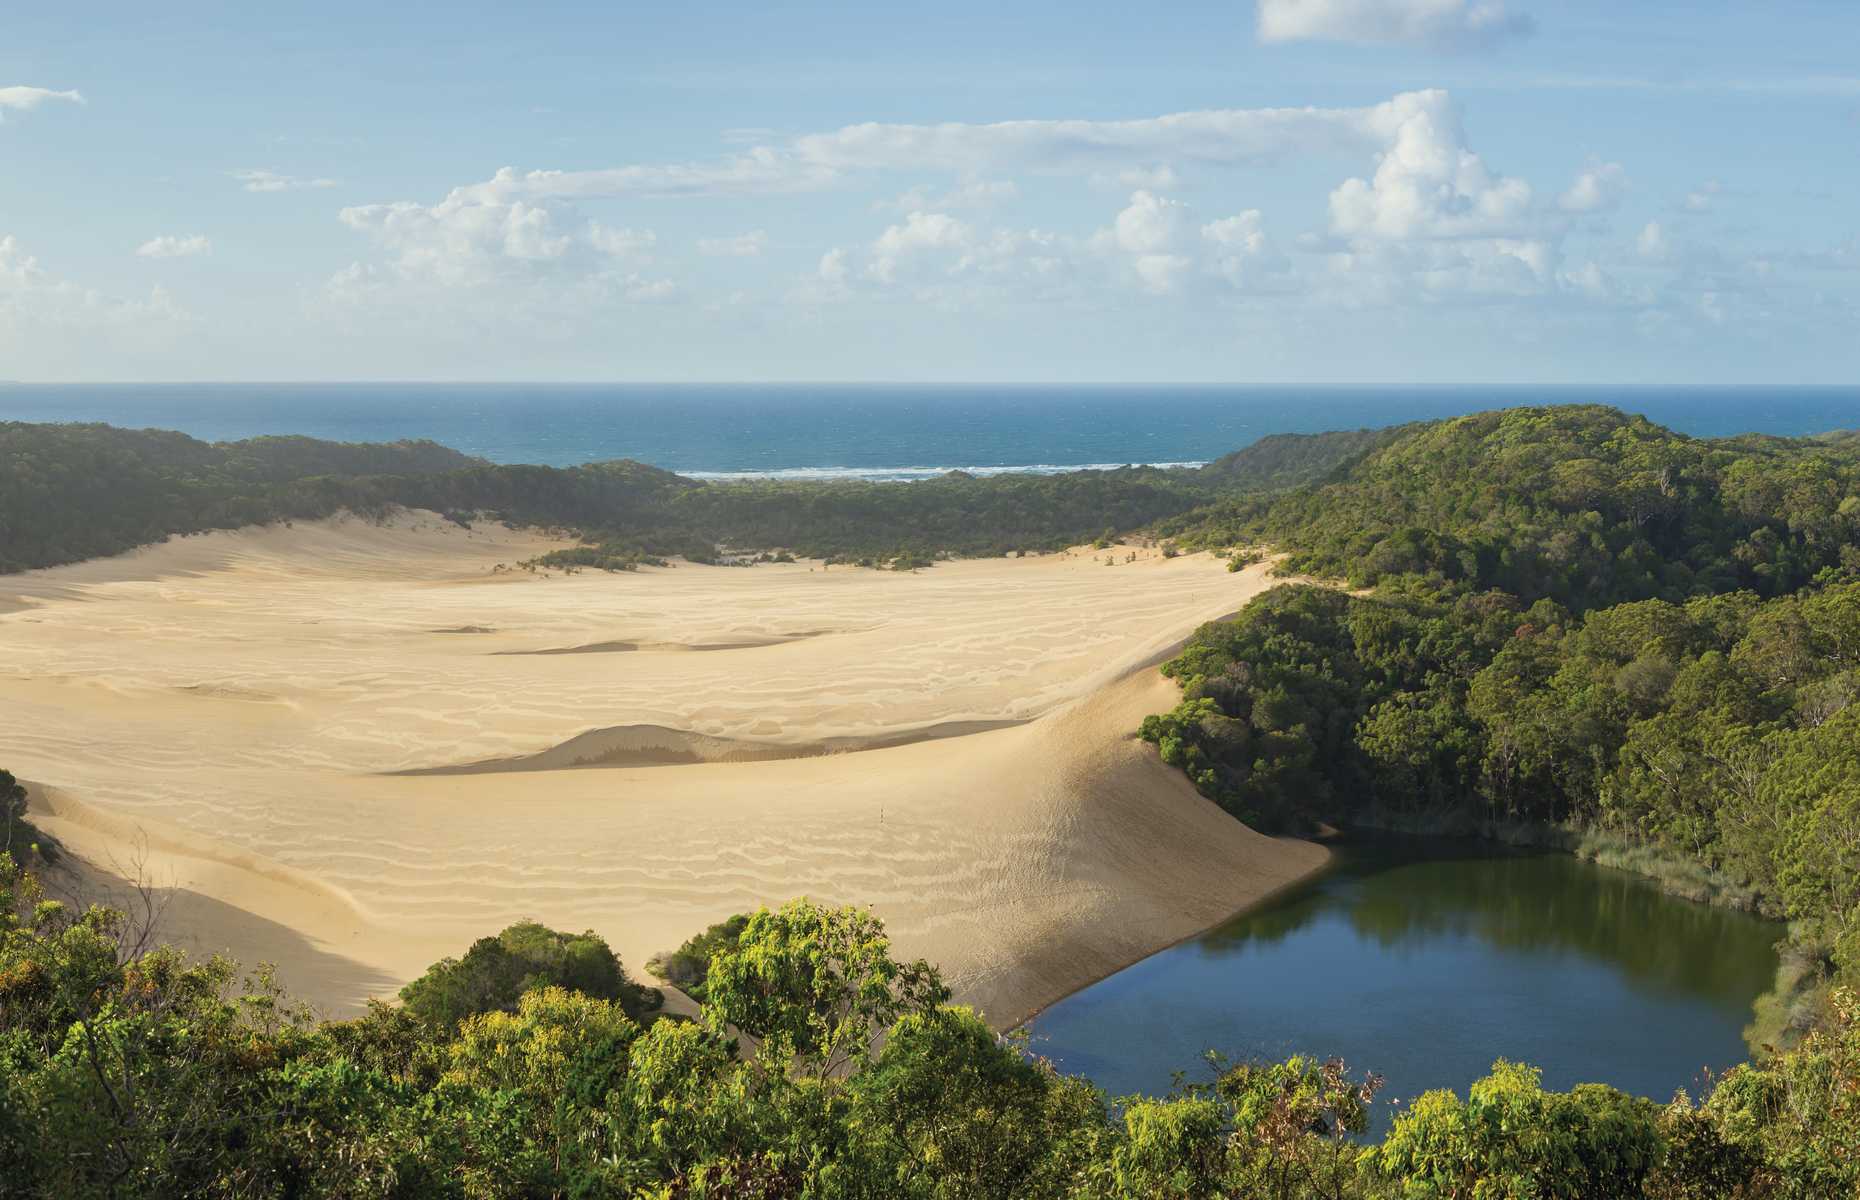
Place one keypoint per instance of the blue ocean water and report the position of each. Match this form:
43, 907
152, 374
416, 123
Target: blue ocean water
873, 431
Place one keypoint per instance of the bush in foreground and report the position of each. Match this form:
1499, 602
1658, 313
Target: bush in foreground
133, 1073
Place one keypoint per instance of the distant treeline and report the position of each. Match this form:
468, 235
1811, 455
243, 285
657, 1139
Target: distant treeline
70, 492
1581, 504
1576, 620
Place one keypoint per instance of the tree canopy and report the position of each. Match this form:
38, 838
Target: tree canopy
128, 1071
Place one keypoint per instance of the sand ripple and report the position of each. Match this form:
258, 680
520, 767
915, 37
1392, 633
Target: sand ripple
337, 788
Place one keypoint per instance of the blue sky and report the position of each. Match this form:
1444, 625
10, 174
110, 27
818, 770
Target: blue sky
1294, 190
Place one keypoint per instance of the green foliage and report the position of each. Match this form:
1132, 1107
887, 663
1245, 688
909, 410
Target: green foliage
133, 1072
497, 971
69, 492
16, 835
819, 982
688, 967
1580, 503
1798, 1116
1511, 1140
947, 1109
1287, 460
1713, 744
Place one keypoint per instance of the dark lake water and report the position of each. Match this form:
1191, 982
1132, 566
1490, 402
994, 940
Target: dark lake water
1426, 969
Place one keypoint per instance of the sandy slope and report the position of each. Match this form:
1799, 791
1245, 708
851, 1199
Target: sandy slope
253, 719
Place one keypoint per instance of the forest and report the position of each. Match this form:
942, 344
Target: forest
1565, 625
533, 1066
71, 492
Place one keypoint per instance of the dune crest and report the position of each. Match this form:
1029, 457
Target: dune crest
330, 786
658, 746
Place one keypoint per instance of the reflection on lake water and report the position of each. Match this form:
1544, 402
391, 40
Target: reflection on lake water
1426, 969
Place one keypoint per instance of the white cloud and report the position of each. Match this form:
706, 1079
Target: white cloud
1428, 184
1128, 150
1152, 179
757, 172
1241, 253
174, 246
1653, 242
1153, 231
742, 245
254, 179
1589, 279
1150, 223
25, 99
1153, 245
45, 320
974, 193
1703, 198
1452, 24
494, 265
621, 243
1429, 219
460, 243
1167, 250
1218, 137
919, 232
1599, 187
833, 268
1433, 219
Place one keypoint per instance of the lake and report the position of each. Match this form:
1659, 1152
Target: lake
1425, 966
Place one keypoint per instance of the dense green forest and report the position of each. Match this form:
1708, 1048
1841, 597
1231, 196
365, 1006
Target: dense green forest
1576, 623
1578, 503
69, 492
1287, 460
532, 1067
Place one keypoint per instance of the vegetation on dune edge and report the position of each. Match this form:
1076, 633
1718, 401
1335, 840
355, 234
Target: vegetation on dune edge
533, 1067
1569, 626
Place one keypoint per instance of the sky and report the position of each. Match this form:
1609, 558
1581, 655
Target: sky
1351, 191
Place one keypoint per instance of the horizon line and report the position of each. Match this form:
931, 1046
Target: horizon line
905, 383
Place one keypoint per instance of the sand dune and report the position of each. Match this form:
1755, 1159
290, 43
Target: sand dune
266, 723
657, 746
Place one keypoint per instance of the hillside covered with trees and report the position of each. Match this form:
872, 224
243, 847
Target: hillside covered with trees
70, 492
1571, 622
1581, 504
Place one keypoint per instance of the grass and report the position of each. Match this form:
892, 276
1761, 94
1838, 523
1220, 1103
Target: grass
1675, 874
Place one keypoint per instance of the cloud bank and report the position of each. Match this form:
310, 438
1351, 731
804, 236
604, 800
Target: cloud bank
1441, 24
173, 246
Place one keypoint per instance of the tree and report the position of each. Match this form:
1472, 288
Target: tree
947, 1110
12, 809
819, 981
497, 971
1511, 1140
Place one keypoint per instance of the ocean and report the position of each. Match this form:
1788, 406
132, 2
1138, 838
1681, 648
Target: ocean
869, 431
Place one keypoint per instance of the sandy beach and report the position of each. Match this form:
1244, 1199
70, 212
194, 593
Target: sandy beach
349, 749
